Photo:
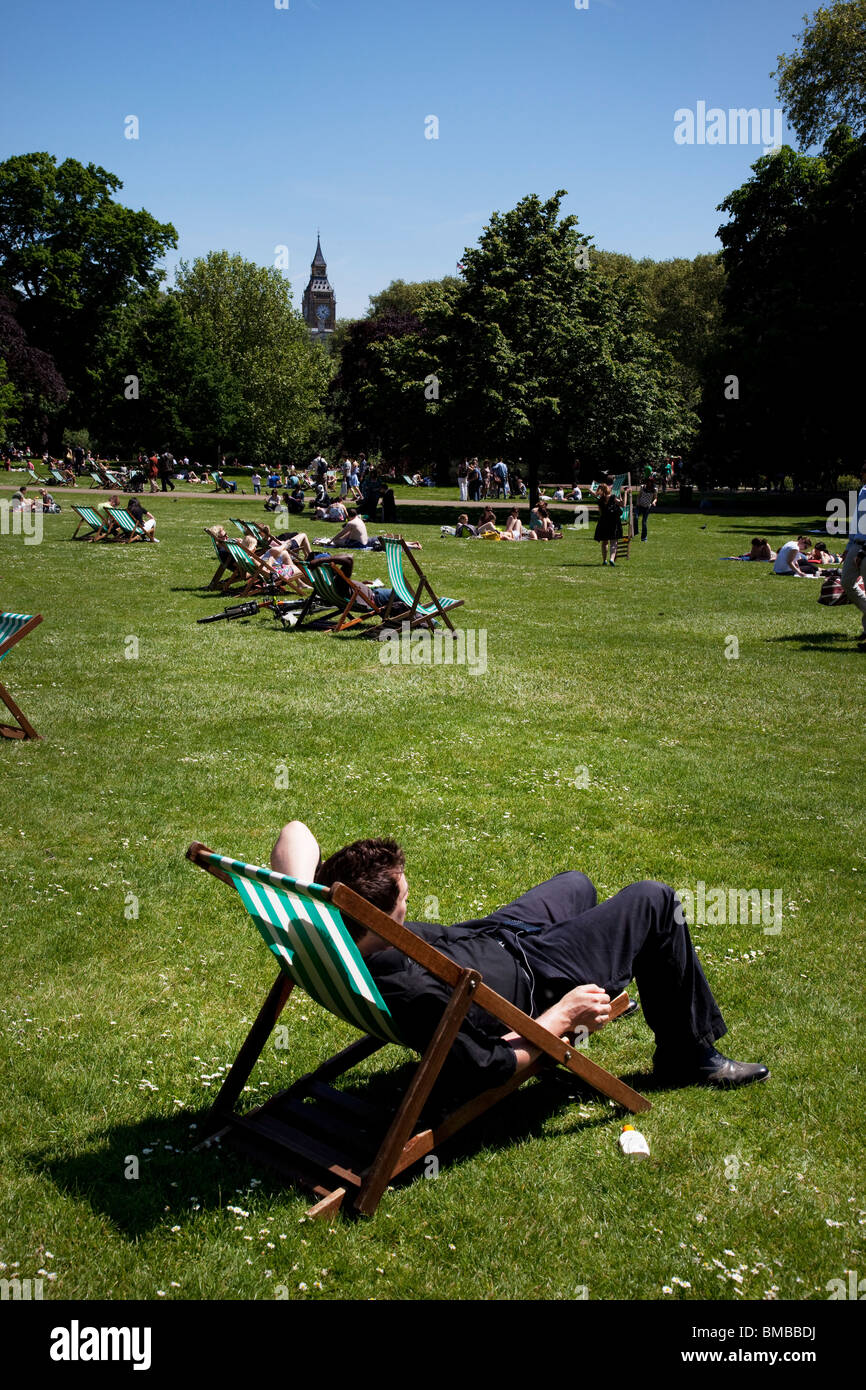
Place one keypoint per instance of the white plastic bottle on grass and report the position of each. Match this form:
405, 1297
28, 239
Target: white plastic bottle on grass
632, 1142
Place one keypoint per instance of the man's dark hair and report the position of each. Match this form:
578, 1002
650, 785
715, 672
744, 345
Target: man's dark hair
372, 868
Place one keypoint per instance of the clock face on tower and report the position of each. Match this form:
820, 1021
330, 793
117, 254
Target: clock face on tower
322, 313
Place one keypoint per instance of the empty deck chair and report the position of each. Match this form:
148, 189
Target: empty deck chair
419, 614
14, 626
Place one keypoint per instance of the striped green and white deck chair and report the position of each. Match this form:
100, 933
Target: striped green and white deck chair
129, 527
334, 590
419, 614
97, 480
55, 476
14, 626
248, 528
332, 1141
87, 516
114, 481
258, 576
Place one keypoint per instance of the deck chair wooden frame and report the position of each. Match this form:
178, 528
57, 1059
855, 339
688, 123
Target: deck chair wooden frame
14, 626
314, 1134
87, 516
326, 577
406, 605
127, 525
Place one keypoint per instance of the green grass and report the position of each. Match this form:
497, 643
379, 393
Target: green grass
740, 773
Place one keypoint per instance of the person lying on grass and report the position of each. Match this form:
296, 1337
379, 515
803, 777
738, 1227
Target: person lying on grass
760, 550
555, 952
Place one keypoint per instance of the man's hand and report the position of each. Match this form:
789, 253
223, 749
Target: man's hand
586, 1006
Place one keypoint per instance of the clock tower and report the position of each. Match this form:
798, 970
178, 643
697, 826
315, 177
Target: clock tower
319, 306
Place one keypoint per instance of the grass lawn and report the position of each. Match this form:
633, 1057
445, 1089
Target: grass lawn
610, 732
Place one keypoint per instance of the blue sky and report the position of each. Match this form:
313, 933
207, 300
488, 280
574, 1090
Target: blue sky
257, 125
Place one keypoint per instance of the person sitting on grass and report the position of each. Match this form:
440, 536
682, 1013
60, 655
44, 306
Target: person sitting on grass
541, 524
353, 533
463, 527
515, 529
555, 952
335, 512
791, 559
487, 525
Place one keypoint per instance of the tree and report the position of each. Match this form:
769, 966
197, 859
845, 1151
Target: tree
9, 404
794, 302
683, 301
384, 395
246, 320
38, 388
162, 385
823, 83
541, 356
71, 257
407, 296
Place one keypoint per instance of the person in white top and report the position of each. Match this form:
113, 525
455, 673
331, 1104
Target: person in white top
854, 563
791, 559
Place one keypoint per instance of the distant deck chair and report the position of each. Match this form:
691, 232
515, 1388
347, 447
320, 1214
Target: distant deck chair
128, 525
410, 482
86, 515
98, 481
223, 484
340, 1147
115, 482
56, 477
14, 626
419, 614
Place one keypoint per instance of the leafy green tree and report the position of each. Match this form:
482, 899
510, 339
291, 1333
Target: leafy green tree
247, 322
683, 301
408, 296
70, 258
794, 302
161, 385
39, 389
542, 356
9, 404
822, 84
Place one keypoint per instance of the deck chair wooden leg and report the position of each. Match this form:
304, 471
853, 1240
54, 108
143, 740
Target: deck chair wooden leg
252, 1048
386, 1160
7, 731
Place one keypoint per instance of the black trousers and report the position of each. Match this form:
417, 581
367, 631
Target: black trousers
640, 933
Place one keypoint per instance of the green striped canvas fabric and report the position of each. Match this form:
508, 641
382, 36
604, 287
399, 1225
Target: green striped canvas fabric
308, 936
241, 557
89, 515
9, 625
394, 554
123, 519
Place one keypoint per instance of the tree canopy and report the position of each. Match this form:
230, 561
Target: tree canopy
822, 84
245, 318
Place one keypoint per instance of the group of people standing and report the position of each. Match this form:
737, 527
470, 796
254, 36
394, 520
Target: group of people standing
477, 481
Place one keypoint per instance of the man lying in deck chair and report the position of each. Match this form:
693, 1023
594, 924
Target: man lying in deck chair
555, 952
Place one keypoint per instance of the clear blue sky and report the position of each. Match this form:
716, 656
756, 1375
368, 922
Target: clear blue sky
258, 125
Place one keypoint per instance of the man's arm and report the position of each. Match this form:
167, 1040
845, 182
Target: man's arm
296, 852
585, 1006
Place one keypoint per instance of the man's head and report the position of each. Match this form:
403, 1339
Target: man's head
352, 513
803, 542
374, 870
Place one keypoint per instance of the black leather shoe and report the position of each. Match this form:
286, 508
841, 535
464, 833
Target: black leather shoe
707, 1068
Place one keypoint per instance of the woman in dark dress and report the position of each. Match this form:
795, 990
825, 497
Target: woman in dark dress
608, 529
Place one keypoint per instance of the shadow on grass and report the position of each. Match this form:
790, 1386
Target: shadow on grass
173, 1180
821, 642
